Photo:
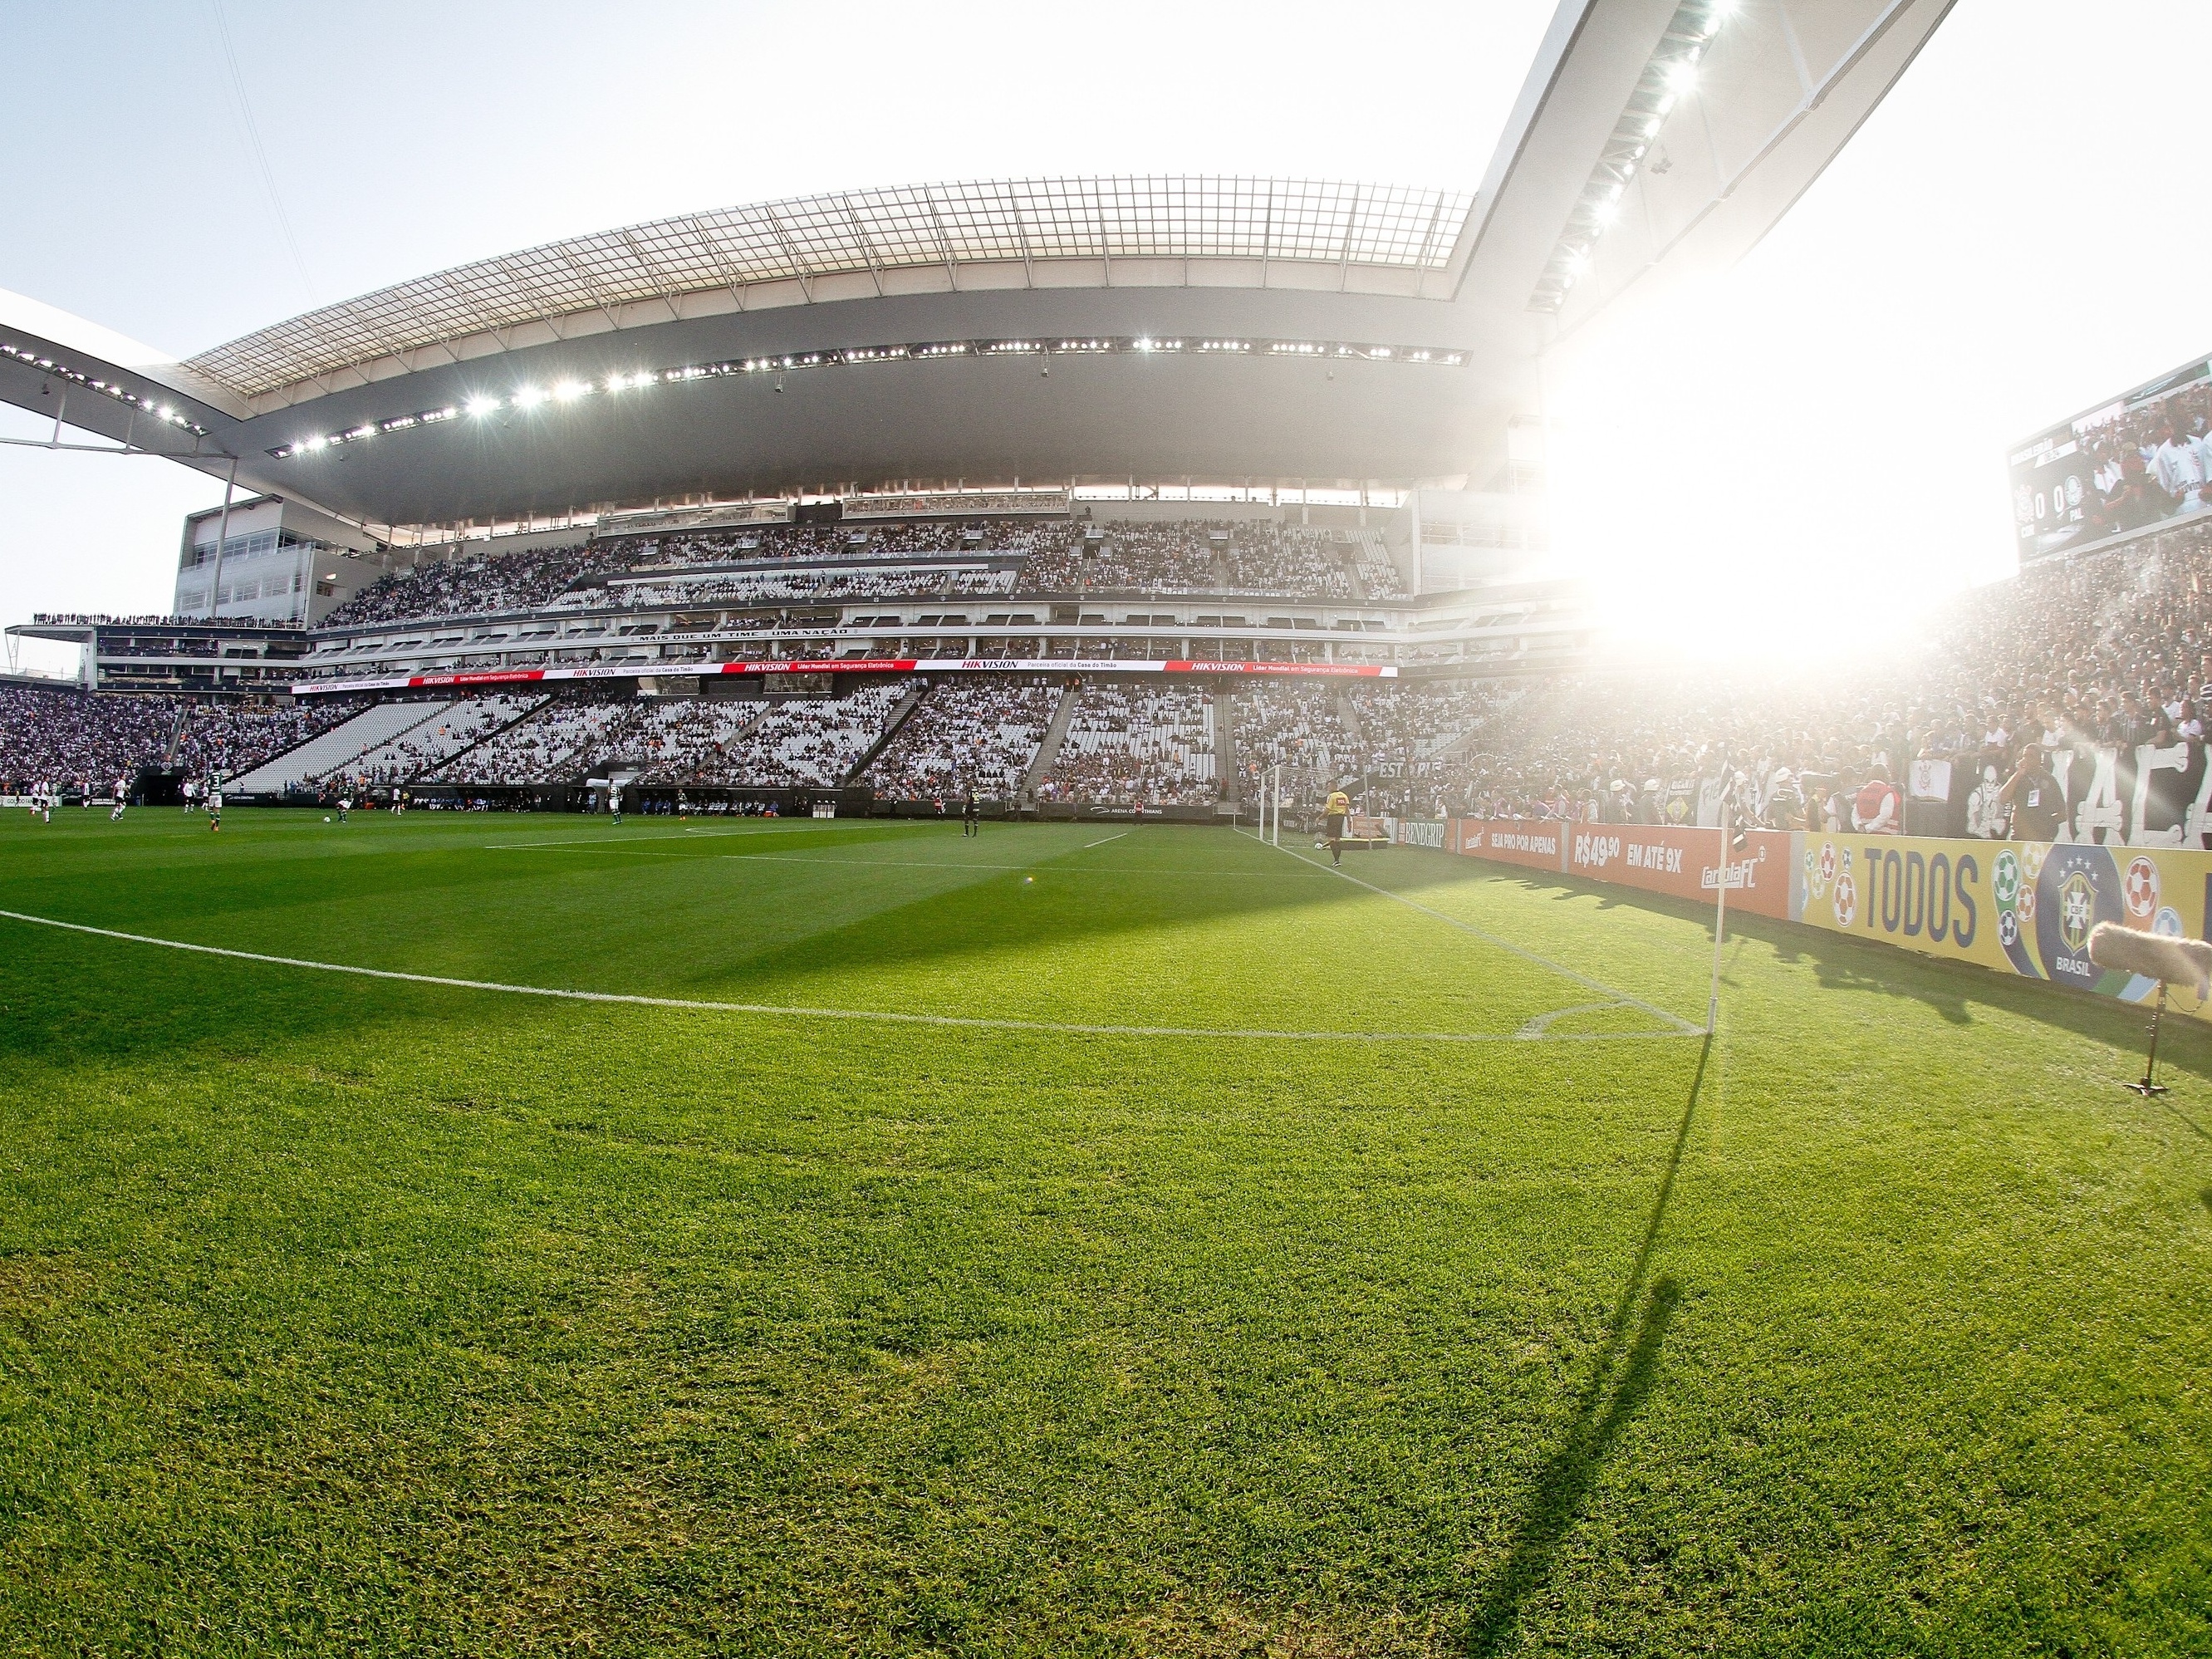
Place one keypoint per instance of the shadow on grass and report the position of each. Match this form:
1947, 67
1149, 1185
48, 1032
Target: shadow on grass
1620, 1380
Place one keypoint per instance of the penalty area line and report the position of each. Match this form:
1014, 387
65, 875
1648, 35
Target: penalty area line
968, 1022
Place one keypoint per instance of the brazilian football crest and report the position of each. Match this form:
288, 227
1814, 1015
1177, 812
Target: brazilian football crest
2078, 887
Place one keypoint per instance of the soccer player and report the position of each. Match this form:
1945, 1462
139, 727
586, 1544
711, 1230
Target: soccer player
215, 806
971, 815
122, 800
614, 802
1334, 814
345, 805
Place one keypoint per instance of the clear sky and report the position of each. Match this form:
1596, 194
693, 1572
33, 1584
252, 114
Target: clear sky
1819, 439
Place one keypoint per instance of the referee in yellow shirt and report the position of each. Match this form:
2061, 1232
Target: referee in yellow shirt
1332, 816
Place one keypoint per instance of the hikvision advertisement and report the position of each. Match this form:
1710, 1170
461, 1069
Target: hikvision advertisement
2128, 464
1686, 863
2020, 907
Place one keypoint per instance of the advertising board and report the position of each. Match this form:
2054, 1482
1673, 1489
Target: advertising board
1686, 863
2023, 908
1538, 844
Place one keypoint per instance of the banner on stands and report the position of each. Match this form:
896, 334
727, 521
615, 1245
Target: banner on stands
851, 666
2023, 908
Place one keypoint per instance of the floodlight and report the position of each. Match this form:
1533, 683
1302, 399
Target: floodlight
528, 397
1682, 77
481, 407
567, 392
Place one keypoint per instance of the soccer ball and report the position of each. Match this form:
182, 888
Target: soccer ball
326, 818
2006, 882
2139, 890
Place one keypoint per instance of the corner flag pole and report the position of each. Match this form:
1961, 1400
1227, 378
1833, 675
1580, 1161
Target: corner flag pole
1720, 925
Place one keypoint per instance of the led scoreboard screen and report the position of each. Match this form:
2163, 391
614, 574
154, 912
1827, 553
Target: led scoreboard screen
2127, 465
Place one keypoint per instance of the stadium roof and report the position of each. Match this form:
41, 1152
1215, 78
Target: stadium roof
1220, 328
914, 239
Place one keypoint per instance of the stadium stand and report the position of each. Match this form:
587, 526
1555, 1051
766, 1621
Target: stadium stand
1295, 725
556, 743
981, 734
484, 585
1245, 558
1135, 745
2110, 649
804, 741
66, 737
363, 728
1285, 561
444, 731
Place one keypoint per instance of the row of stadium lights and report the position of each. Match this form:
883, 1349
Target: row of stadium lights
165, 414
1671, 75
528, 398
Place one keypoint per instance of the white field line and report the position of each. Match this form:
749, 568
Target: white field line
616, 838
1088, 845
1683, 1027
867, 1016
1044, 865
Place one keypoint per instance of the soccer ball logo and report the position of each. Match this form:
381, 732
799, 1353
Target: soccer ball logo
2008, 928
1847, 901
1827, 862
2004, 880
2139, 892
2026, 903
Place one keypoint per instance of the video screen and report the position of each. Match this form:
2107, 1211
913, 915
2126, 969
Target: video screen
2129, 464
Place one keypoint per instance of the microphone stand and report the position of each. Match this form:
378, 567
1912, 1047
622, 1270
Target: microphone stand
2147, 1087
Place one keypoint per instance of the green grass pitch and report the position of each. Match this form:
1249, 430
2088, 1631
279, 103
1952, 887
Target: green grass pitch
1235, 1259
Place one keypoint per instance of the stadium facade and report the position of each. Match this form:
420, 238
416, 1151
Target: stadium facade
1204, 427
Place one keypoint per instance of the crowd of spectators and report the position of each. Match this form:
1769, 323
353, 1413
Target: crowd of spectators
810, 742
484, 585
1407, 732
68, 738
1251, 557
1294, 725
2027, 679
1128, 558
1379, 572
553, 745
1288, 560
967, 734
770, 587
444, 733
1135, 745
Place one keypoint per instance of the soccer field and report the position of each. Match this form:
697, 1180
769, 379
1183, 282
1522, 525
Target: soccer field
1069, 1240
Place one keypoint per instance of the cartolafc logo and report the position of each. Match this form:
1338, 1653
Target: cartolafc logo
2139, 892
1847, 900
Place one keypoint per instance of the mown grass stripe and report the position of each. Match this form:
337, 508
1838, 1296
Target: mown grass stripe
870, 1015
